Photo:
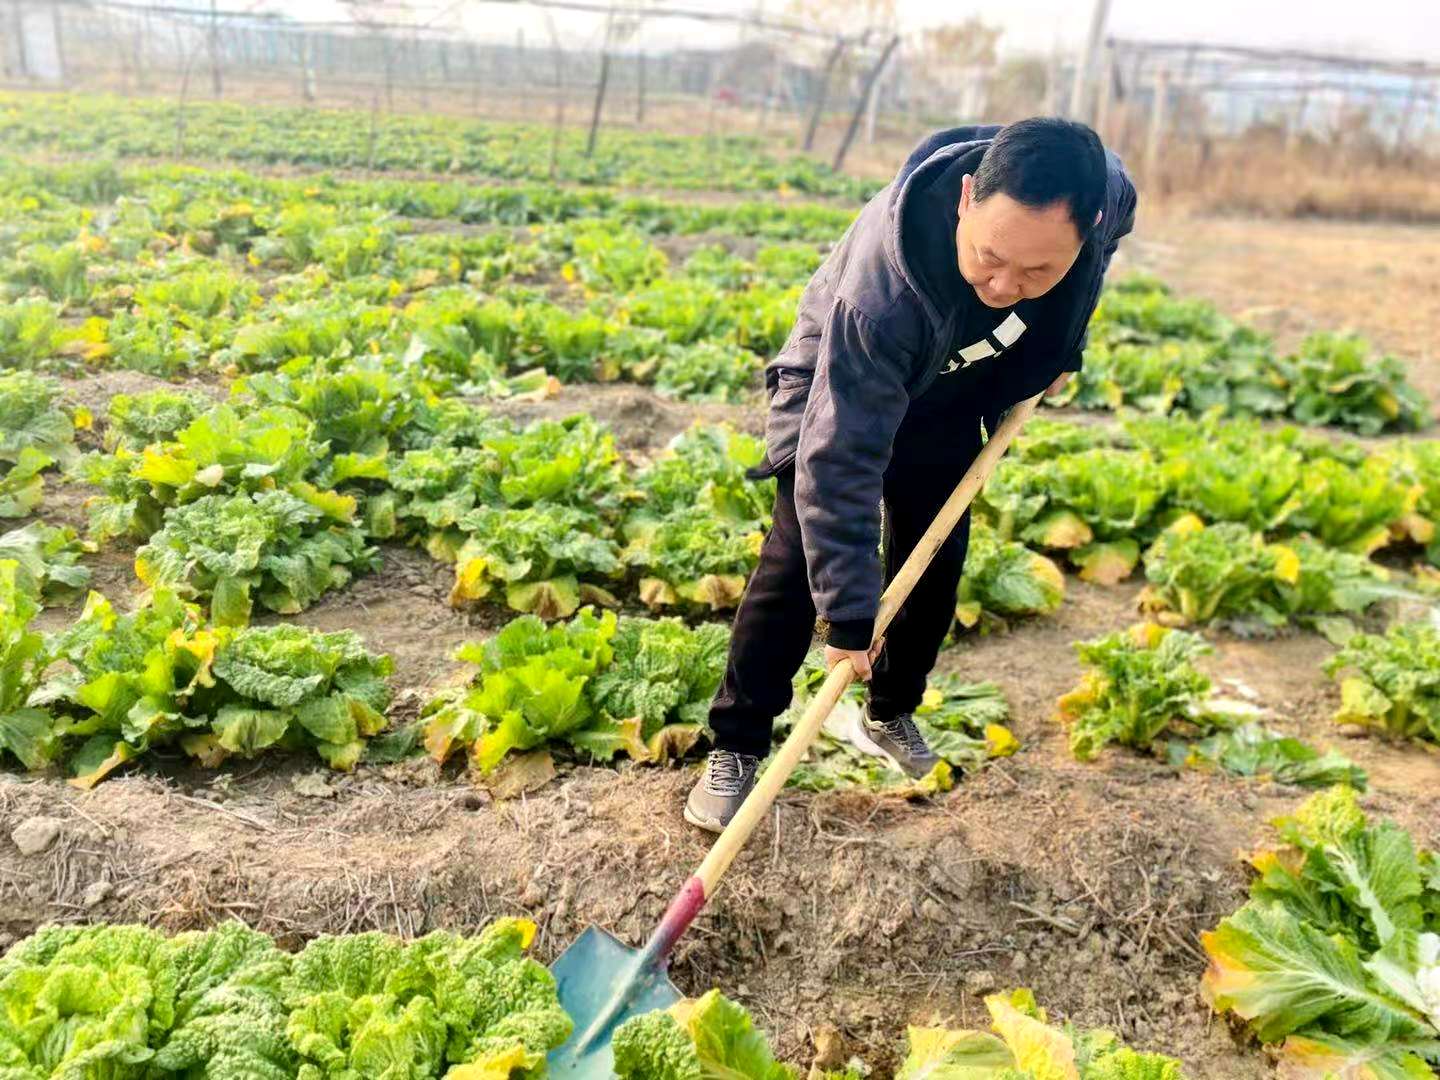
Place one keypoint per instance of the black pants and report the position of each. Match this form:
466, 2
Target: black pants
776, 619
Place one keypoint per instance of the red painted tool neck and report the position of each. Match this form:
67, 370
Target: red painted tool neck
676, 920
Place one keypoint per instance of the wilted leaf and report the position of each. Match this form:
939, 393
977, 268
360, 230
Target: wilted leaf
520, 774
97, 759
1107, 563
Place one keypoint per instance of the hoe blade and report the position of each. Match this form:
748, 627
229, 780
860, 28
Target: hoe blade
602, 983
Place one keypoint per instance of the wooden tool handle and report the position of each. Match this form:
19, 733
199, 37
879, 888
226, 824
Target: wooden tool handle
768, 786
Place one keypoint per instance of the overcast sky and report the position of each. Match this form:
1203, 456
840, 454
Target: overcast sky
1406, 29
1397, 29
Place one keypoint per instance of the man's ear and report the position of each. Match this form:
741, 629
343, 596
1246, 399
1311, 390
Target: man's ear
1098, 215
967, 192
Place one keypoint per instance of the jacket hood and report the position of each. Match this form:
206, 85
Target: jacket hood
925, 162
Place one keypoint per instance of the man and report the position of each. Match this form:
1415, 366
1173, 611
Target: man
964, 287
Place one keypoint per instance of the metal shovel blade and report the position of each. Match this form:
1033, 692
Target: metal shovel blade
602, 983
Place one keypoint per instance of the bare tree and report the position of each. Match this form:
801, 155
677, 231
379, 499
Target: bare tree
865, 94
863, 21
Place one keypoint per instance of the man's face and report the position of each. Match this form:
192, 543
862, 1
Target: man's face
1010, 252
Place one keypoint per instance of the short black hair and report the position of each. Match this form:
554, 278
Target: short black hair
1045, 160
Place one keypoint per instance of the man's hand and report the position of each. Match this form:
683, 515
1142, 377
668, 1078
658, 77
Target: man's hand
861, 660
1059, 384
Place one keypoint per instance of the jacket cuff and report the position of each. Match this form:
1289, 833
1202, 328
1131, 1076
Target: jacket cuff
850, 634
1075, 362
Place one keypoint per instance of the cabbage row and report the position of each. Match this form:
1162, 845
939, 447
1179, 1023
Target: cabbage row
1085, 489
1391, 681
171, 287
277, 496
274, 498
174, 277
712, 1036
128, 1003
1141, 689
1200, 573
599, 686
1151, 351
113, 685
36, 432
91, 124
1233, 520
206, 208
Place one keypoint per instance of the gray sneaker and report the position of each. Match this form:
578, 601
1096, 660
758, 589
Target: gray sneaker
898, 740
727, 780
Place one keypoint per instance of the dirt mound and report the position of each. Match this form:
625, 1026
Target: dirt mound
846, 909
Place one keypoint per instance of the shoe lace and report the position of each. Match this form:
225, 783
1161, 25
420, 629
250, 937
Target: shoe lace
727, 773
903, 730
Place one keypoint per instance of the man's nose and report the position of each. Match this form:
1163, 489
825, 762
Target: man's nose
1003, 285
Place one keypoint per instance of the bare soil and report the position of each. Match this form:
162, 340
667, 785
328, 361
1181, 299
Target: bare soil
1090, 883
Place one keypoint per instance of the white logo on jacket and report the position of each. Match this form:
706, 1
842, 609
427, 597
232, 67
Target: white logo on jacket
1007, 333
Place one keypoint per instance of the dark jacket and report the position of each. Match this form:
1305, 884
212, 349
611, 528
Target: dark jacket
869, 339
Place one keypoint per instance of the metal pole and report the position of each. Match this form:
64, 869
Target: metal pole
142, 34
307, 58
17, 34
710, 109
865, 95
1297, 123
560, 94
374, 135
1157, 126
58, 30
1402, 132
599, 102
216, 87
1107, 93
1137, 61
1080, 95
640, 88
472, 58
